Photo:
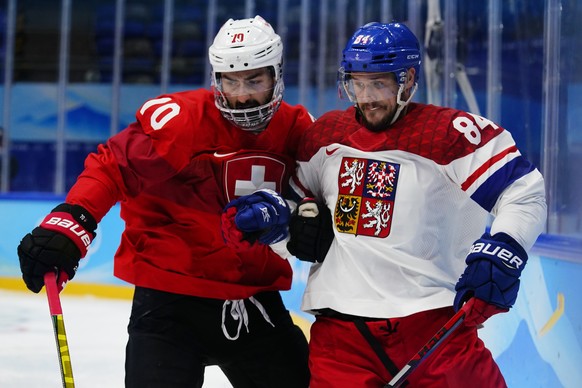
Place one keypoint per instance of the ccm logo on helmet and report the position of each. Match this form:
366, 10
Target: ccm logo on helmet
73, 227
507, 257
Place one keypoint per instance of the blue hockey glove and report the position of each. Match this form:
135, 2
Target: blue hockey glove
310, 231
263, 216
494, 265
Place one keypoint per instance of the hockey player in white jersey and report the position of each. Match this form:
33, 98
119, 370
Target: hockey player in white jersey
402, 194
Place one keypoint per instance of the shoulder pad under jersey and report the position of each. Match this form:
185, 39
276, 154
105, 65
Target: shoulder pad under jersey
163, 112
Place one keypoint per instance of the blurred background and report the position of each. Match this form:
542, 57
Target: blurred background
73, 73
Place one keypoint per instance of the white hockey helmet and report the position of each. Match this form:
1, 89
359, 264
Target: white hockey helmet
247, 44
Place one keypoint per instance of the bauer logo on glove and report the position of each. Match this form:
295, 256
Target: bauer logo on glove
69, 228
494, 265
506, 256
59, 242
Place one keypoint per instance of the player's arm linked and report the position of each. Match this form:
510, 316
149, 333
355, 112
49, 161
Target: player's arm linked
262, 216
310, 231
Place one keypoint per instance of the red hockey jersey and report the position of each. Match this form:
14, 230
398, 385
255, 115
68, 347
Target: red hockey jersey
173, 171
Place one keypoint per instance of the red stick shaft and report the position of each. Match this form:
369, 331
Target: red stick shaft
54, 301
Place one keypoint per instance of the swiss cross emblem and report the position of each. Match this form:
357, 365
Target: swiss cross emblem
365, 204
245, 174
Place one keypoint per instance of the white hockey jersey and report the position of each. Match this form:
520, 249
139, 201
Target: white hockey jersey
408, 202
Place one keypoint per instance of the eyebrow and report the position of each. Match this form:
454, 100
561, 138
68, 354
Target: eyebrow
256, 74
371, 77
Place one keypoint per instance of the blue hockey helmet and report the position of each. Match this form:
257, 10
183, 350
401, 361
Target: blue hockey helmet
380, 48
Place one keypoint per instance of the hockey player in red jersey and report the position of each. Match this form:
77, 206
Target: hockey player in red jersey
198, 301
401, 194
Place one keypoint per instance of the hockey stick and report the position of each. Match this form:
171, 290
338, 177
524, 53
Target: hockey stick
437, 339
52, 292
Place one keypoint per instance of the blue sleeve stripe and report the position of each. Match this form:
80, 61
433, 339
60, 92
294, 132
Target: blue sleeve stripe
488, 192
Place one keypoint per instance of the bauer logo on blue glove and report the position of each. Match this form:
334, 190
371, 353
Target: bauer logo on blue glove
494, 265
507, 257
263, 216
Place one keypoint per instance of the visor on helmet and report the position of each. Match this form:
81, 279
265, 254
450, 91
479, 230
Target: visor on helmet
366, 87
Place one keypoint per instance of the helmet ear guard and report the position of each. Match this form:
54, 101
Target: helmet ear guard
241, 45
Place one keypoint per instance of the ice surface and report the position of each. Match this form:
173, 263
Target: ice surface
96, 334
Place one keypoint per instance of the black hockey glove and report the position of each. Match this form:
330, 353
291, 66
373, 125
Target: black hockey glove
310, 231
57, 244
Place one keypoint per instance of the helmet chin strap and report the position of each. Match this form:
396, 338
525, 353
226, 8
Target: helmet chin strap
402, 104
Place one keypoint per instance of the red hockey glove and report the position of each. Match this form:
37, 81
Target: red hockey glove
478, 311
58, 243
233, 236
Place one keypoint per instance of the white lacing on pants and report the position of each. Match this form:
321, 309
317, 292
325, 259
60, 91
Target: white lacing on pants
238, 312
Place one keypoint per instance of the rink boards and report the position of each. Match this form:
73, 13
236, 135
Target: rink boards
537, 344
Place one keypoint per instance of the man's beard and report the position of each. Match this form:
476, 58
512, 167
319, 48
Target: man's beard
377, 127
247, 104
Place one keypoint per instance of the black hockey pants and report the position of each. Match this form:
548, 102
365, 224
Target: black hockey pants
173, 337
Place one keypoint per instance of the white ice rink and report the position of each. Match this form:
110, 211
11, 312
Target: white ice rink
96, 333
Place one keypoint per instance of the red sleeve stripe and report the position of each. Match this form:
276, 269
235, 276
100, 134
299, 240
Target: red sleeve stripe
486, 166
